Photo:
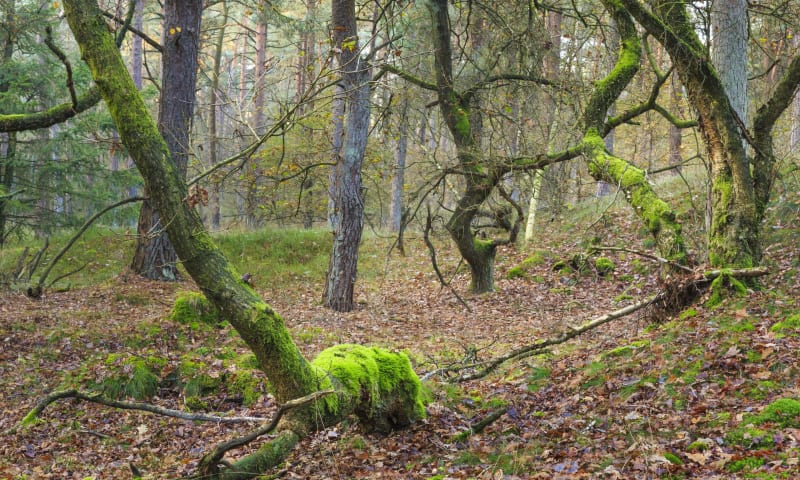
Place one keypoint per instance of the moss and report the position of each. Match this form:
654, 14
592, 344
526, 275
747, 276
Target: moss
626, 350
722, 286
516, 272
604, 266
135, 377
790, 325
383, 386
561, 266
248, 385
192, 307
658, 217
673, 459
195, 404
484, 247
785, 412
748, 463
688, 313
700, 445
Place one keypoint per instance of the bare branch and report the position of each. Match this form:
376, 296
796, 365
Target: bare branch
208, 465
145, 407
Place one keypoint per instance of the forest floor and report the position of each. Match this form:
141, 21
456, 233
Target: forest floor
684, 396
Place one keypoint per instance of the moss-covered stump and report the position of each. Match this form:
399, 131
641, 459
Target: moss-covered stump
379, 386
192, 308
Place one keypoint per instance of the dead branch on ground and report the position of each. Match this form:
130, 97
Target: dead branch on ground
209, 463
678, 294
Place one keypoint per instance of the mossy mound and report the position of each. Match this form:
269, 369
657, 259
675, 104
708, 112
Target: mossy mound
192, 308
604, 266
521, 271
131, 376
783, 413
384, 388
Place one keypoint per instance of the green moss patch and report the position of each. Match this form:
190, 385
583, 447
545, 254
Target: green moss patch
387, 392
192, 308
604, 266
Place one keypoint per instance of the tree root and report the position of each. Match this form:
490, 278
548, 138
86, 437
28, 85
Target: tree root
209, 465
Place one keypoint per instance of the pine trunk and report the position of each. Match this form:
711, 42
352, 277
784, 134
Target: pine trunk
155, 258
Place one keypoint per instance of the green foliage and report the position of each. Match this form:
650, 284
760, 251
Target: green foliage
192, 308
784, 412
788, 326
521, 271
275, 256
748, 463
133, 377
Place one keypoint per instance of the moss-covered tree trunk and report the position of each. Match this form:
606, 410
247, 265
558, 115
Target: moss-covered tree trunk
657, 215
378, 385
479, 180
734, 236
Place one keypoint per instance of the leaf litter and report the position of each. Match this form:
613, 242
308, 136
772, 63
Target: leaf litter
633, 399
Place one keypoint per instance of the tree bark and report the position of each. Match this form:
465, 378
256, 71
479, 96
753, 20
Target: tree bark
655, 213
398, 177
346, 186
215, 197
377, 385
155, 257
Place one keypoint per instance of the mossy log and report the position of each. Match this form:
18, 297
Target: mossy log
388, 390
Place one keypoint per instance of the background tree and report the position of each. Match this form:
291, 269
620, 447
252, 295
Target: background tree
155, 258
346, 183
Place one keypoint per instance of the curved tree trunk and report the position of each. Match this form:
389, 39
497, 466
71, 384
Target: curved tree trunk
155, 258
379, 386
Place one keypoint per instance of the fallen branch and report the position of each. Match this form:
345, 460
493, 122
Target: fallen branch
37, 289
145, 407
485, 368
209, 464
645, 255
478, 427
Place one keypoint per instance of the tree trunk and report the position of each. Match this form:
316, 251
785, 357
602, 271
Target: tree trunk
346, 186
398, 177
654, 212
464, 126
675, 135
729, 50
155, 258
377, 385
215, 193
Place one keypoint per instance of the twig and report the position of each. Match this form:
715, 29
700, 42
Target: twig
644, 254
478, 427
432, 250
77, 235
209, 462
48, 40
145, 407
